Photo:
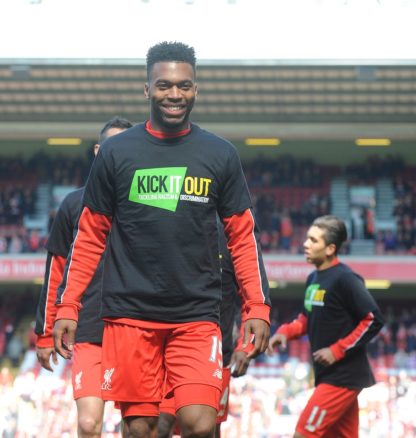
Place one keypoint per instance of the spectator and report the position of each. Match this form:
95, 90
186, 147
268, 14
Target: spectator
15, 350
390, 242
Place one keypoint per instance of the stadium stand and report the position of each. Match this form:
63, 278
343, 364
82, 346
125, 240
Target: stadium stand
374, 192
287, 194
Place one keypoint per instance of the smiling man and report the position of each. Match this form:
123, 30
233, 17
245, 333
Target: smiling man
340, 317
159, 188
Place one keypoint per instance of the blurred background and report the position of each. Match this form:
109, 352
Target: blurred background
319, 97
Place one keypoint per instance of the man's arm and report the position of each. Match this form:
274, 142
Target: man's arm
368, 327
46, 310
58, 245
364, 309
286, 332
85, 254
240, 359
244, 247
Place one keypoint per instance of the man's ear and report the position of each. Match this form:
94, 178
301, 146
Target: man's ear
331, 250
146, 90
96, 148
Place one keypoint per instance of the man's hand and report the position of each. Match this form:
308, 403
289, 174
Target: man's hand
324, 356
275, 340
239, 363
44, 355
261, 331
64, 337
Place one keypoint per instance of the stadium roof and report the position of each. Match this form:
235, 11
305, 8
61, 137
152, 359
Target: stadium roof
299, 69
297, 102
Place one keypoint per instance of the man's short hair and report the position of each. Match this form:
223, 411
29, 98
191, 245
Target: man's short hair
170, 51
334, 230
115, 122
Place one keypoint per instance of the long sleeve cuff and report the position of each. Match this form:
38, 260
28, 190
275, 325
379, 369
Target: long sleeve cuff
67, 311
294, 329
283, 330
44, 341
337, 351
258, 311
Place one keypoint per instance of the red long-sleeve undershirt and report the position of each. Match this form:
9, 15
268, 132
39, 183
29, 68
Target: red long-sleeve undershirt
242, 245
298, 327
53, 279
87, 249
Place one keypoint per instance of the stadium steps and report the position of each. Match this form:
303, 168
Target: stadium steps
39, 220
361, 247
339, 195
384, 204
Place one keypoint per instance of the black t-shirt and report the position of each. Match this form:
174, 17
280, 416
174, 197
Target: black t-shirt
336, 300
162, 260
90, 326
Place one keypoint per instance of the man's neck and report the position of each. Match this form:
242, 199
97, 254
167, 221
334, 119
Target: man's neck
164, 134
328, 263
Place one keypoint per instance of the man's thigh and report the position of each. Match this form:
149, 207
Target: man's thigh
193, 356
132, 364
86, 370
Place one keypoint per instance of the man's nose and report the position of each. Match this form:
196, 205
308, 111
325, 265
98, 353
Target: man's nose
174, 93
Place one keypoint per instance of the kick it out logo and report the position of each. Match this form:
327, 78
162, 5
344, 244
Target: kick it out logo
314, 296
163, 187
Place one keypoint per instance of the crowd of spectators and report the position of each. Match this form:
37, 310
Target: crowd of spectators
288, 193
265, 403
15, 202
19, 239
40, 404
394, 347
404, 212
19, 180
375, 167
16, 325
269, 406
401, 239
41, 167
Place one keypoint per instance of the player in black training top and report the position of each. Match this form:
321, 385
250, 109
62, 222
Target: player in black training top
86, 365
340, 317
155, 191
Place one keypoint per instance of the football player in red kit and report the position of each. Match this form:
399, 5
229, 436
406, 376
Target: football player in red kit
340, 317
151, 202
86, 365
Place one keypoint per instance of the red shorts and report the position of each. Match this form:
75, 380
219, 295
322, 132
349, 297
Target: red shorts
332, 411
167, 405
135, 359
223, 409
86, 370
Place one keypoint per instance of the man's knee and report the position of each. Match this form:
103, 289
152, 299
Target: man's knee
89, 425
200, 429
197, 421
165, 425
140, 427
